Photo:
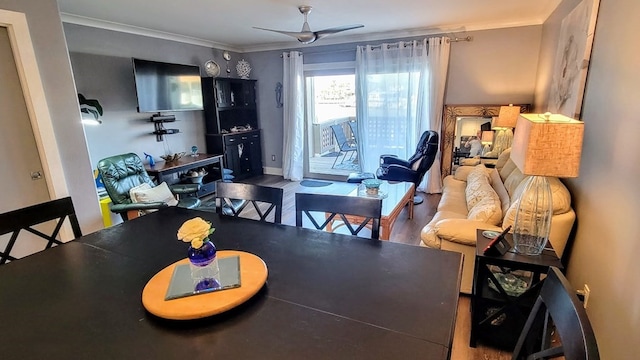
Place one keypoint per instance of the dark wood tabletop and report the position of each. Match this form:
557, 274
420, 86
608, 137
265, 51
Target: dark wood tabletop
327, 296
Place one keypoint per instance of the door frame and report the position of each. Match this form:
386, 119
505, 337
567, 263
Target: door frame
35, 101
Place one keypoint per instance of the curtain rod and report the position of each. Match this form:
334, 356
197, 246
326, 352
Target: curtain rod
455, 39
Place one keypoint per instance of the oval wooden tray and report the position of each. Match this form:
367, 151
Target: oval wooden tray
253, 275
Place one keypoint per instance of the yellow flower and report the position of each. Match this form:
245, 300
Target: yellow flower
195, 231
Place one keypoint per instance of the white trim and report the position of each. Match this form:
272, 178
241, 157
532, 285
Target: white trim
452, 29
340, 65
272, 171
37, 108
129, 29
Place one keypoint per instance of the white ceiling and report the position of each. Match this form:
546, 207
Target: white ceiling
227, 24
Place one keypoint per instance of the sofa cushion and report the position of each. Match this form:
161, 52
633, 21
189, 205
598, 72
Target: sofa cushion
498, 186
560, 196
512, 182
475, 181
453, 197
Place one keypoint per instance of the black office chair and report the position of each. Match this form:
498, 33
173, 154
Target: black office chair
24, 219
557, 307
351, 210
228, 194
346, 146
120, 173
413, 170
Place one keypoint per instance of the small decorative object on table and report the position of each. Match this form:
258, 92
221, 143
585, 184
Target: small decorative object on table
205, 272
243, 68
194, 151
172, 157
372, 186
196, 176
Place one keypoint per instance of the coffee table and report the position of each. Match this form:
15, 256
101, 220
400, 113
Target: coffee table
398, 196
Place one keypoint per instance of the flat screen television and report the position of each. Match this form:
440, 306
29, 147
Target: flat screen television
167, 87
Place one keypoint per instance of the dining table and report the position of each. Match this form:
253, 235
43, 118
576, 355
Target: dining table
327, 296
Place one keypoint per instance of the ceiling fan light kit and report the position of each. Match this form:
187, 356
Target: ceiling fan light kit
306, 36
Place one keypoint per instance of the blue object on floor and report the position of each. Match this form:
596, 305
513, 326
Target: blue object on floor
314, 183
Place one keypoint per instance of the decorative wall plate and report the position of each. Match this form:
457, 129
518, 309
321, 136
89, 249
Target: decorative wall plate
243, 68
212, 68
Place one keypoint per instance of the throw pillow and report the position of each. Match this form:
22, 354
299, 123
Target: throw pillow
482, 200
160, 193
475, 179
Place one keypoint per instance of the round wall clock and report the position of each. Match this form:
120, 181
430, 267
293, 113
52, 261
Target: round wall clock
211, 68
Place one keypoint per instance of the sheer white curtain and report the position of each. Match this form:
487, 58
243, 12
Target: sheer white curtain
400, 90
437, 65
293, 122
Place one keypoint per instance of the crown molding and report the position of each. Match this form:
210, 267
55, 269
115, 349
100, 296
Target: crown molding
129, 29
452, 29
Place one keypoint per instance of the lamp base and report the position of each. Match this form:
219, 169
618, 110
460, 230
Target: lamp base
533, 217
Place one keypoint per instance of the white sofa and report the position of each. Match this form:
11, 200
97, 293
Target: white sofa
476, 197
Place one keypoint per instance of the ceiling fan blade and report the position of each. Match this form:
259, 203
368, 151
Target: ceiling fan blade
305, 37
326, 32
295, 34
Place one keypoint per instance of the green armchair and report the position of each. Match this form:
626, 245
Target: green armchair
121, 173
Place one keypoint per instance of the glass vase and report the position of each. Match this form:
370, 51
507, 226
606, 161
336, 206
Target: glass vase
203, 261
533, 217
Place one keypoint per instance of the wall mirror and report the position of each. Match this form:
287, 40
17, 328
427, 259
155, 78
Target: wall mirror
460, 119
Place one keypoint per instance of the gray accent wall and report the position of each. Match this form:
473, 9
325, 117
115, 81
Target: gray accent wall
605, 195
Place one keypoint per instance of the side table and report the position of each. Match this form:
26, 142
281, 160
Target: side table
504, 290
164, 171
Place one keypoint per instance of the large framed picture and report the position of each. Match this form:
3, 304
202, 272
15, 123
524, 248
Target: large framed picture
572, 59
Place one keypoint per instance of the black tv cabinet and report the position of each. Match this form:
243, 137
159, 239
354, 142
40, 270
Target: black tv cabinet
231, 121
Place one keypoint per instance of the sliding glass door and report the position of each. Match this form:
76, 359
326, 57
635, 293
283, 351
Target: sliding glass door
331, 129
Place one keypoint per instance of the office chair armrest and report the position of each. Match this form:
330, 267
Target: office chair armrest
184, 188
394, 172
123, 208
392, 159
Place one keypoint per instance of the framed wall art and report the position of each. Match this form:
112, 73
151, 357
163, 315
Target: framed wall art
572, 59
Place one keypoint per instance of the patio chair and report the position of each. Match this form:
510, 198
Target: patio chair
346, 146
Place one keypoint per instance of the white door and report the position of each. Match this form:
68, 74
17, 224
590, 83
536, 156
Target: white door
18, 151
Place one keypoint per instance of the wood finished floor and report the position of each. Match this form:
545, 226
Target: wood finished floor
406, 231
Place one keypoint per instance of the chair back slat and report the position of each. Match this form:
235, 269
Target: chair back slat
227, 192
24, 219
557, 306
367, 210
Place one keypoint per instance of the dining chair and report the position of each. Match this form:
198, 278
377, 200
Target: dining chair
228, 193
26, 218
557, 307
345, 145
351, 210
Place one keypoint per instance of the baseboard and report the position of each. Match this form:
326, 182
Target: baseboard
272, 171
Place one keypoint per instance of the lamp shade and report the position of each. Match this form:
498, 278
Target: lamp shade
507, 117
487, 137
548, 145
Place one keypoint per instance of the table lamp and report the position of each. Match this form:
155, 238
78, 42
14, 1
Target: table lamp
504, 124
486, 140
544, 145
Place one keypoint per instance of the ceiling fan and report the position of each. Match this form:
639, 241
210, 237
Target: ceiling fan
306, 36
